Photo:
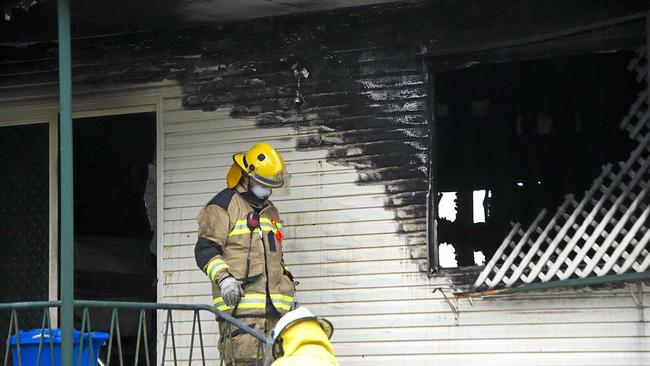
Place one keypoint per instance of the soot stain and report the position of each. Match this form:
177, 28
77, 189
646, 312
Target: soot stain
365, 93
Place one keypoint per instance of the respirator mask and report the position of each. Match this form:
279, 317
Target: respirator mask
260, 191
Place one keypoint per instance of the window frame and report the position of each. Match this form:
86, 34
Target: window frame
19, 116
22, 111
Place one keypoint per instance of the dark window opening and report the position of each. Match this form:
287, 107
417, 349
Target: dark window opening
515, 137
115, 219
24, 221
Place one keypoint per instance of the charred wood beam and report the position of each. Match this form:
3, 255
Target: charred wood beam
485, 46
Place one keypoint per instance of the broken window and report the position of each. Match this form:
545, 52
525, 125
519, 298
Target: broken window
515, 137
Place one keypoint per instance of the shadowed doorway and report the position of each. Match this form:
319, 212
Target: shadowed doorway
115, 218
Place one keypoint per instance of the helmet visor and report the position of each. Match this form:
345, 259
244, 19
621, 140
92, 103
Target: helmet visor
285, 189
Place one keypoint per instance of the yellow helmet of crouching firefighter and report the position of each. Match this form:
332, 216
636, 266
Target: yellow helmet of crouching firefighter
262, 163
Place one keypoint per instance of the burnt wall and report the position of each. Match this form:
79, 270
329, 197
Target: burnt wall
367, 92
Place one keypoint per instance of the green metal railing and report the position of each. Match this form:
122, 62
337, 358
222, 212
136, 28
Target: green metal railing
142, 343
66, 190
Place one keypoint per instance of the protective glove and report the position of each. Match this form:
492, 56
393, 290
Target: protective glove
231, 290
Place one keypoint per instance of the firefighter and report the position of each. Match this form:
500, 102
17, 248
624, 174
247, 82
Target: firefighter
239, 248
301, 339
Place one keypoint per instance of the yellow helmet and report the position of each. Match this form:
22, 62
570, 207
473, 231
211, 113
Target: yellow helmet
262, 163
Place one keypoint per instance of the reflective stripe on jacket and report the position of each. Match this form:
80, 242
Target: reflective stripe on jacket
257, 301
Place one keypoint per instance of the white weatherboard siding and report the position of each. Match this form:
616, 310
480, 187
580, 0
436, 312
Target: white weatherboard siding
352, 263
354, 267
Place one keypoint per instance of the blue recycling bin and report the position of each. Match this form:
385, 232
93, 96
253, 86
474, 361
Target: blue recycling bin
30, 339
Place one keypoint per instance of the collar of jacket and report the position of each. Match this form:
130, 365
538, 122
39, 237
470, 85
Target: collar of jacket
251, 199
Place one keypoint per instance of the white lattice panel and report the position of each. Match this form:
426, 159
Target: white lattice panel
606, 232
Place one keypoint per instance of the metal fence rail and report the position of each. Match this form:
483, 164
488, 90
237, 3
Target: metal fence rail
115, 344
604, 233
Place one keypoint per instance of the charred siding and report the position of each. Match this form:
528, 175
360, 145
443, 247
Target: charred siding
366, 95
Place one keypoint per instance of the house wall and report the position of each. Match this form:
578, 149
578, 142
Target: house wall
359, 153
384, 309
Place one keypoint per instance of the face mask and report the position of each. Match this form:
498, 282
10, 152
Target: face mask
260, 191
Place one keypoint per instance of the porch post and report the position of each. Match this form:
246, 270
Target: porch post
66, 185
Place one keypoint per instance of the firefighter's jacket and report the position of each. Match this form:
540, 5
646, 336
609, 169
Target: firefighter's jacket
222, 250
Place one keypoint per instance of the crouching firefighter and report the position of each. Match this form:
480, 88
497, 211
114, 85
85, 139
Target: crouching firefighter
240, 249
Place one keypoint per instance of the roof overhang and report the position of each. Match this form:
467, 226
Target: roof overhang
35, 20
